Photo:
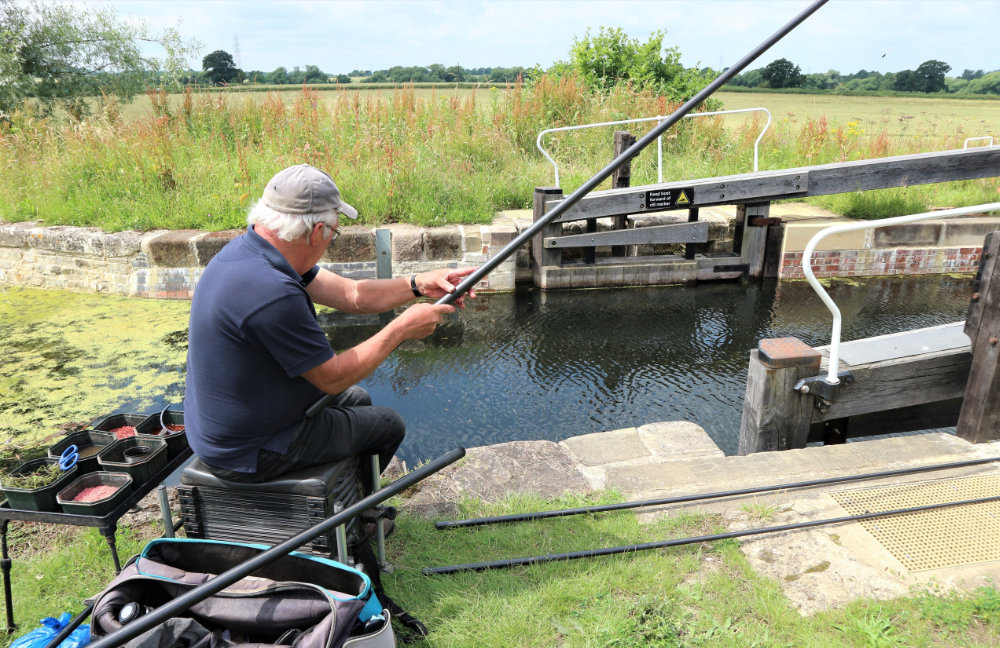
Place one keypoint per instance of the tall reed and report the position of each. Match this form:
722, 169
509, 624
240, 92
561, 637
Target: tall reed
199, 161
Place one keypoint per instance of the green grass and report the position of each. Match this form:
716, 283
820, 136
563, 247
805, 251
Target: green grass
874, 205
694, 595
427, 156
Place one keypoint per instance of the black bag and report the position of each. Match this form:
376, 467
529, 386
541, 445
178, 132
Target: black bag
297, 600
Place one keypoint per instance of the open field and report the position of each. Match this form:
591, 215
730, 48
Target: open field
913, 116
142, 107
895, 115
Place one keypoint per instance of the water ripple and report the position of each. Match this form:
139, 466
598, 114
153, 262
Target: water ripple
533, 365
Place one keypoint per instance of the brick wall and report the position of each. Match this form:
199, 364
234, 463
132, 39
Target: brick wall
859, 263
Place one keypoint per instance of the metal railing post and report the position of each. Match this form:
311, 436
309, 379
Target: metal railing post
477, 275
832, 370
659, 140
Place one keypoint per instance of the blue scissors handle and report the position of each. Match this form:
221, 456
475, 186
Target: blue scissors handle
69, 457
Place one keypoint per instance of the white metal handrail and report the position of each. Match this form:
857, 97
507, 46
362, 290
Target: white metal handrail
965, 144
833, 369
659, 140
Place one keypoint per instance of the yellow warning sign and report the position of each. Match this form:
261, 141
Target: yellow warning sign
658, 199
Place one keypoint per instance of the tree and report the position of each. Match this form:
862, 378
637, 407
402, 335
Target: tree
986, 84
508, 75
278, 76
749, 79
611, 57
61, 54
314, 75
782, 74
220, 67
928, 77
906, 81
931, 75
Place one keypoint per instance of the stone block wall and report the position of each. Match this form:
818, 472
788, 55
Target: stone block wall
167, 264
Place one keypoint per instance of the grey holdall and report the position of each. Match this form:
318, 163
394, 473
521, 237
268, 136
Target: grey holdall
297, 600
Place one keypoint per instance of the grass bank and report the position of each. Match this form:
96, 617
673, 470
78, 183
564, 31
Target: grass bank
426, 156
696, 595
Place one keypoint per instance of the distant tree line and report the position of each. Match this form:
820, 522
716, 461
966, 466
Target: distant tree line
219, 68
929, 77
437, 72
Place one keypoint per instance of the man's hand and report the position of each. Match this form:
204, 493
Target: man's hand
420, 320
438, 283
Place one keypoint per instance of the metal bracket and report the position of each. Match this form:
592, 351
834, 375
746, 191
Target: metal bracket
824, 393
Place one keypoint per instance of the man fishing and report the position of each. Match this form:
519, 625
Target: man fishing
257, 357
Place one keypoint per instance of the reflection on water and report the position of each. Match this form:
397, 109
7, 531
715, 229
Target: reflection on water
536, 365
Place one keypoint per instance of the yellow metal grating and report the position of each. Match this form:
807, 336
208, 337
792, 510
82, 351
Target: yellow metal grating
945, 537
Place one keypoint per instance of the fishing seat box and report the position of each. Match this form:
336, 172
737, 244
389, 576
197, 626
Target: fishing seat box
269, 512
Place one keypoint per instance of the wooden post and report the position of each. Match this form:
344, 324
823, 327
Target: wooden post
775, 417
540, 255
987, 260
979, 419
773, 242
621, 178
754, 218
689, 248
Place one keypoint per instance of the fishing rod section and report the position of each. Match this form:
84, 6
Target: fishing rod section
491, 264
227, 578
475, 277
603, 508
592, 553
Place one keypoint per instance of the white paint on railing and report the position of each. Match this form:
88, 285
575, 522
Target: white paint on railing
659, 140
965, 145
834, 366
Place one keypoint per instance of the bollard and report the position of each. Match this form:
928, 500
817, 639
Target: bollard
775, 416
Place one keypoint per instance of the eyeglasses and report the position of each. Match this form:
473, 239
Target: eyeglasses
331, 228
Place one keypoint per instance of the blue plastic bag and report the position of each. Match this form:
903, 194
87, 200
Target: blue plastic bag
40, 637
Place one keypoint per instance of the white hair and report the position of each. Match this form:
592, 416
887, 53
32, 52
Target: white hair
289, 227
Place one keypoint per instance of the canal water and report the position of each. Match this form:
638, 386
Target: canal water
550, 365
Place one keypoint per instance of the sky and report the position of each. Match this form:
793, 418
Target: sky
339, 36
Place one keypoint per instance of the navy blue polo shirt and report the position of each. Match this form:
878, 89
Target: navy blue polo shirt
253, 333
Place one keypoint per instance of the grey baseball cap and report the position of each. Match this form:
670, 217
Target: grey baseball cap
304, 189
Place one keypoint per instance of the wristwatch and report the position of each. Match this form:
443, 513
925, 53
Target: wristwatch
413, 286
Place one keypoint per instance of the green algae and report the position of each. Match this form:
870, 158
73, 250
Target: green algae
68, 358
821, 567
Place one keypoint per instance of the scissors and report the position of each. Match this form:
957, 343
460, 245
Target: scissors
69, 457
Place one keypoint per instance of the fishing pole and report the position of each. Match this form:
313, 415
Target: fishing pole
534, 560
490, 264
472, 279
540, 515
227, 578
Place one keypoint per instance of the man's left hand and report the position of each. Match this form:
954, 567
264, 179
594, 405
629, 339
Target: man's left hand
438, 283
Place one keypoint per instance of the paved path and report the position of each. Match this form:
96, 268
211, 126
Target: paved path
817, 568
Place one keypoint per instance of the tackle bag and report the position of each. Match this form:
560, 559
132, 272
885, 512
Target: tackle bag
296, 600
